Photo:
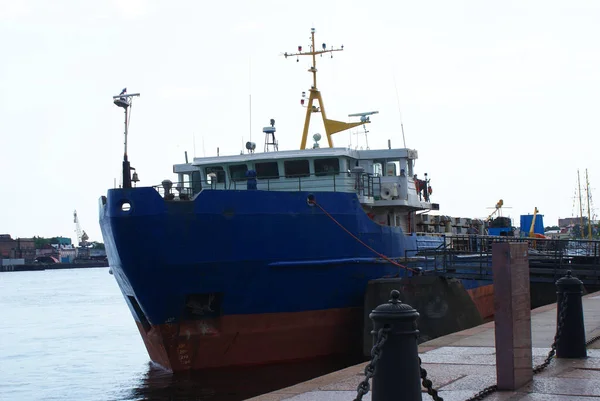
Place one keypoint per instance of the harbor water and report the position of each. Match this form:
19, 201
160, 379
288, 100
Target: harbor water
68, 335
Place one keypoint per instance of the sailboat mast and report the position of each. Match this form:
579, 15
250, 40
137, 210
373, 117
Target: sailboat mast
587, 194
580, 206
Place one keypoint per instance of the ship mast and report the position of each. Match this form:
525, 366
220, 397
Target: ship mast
125, 100
331, 126
580, 206
587, 194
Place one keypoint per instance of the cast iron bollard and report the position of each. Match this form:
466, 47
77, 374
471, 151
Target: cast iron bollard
571, 343
398, 373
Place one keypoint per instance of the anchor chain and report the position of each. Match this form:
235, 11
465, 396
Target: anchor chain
364, 386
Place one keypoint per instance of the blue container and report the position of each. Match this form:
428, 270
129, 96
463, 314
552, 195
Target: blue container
526, 220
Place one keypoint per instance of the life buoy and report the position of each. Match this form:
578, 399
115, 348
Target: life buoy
429, 190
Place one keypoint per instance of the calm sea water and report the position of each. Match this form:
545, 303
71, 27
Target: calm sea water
68, 335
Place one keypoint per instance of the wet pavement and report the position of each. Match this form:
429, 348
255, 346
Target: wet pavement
464, 363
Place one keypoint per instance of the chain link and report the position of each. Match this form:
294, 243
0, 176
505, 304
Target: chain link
591, 341
559, 326
428, 384
364, 386
483, 393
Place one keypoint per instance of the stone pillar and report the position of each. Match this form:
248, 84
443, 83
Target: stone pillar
512, 304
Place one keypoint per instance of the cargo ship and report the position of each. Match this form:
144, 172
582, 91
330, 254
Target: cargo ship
264, 257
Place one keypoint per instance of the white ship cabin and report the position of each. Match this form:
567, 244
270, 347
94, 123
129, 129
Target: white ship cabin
383, 180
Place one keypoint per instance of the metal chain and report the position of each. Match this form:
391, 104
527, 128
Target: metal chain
559, 326
382, 335
483, 393
428, 384
364, 386
591, 341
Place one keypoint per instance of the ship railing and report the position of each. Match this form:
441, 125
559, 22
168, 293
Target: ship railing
365, 184
471, 256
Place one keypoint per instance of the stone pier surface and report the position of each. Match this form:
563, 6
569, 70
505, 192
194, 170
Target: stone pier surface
464, 363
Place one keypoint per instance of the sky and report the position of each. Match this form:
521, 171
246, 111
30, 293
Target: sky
500, 99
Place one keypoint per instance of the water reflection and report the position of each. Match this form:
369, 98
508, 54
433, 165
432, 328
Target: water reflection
231, 384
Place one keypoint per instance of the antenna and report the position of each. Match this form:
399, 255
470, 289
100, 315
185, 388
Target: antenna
250, 96
125, 101
331, 126
399, 111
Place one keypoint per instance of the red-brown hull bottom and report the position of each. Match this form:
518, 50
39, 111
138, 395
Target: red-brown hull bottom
483, 297
243, 340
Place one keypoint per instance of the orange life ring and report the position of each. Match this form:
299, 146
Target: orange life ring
429, 190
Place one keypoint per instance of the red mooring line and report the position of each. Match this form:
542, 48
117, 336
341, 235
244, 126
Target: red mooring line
360, 241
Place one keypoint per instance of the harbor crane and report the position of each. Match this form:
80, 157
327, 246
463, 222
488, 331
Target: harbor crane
498, 210
82, 237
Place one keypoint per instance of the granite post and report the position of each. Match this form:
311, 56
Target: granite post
512, 304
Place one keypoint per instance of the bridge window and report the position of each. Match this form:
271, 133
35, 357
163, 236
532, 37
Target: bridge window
238, 172
267, 170
215, 174
327, 166
377, 168
392, 169
296, 168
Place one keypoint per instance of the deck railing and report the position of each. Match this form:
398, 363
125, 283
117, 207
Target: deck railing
364, 184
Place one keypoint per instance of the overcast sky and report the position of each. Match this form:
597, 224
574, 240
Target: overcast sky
501, 99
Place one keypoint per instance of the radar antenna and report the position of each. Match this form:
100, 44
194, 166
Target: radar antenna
270, 137
125, 101
364, 117
331, 126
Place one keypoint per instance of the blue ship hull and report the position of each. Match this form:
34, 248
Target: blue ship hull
212, 280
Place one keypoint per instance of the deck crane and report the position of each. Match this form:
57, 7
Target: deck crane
82, 237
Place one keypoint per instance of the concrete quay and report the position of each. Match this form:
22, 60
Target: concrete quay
463, 363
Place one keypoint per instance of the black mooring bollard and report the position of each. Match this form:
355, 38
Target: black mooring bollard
571, 343
397, 373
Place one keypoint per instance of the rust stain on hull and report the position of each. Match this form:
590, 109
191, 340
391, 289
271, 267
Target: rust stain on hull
245, 340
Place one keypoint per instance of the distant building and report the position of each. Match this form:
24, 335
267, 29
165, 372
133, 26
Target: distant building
20, 248
62, 253
63, 240
571, 221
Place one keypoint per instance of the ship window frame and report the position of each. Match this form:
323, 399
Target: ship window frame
232, 172
219, 172
320, 165
300, 169
260, 175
